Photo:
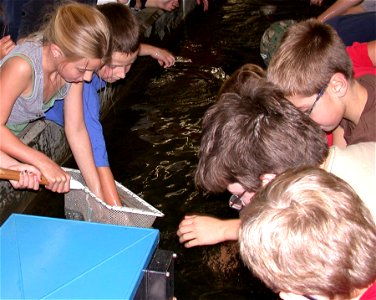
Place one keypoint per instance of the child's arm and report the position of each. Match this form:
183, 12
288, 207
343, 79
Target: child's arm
92, 106
16, 80
78, 138
109, 187
202, 230
338, 8
165, 58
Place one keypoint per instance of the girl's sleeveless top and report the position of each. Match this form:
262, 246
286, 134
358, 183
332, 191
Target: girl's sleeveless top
369, 5
31, 108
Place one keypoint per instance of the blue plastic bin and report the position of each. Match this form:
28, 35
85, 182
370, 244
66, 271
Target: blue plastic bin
48, 258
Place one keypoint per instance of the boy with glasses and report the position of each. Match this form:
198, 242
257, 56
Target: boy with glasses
253, 133
314, 72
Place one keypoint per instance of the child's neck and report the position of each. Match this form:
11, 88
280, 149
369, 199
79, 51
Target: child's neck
355, 99
49, 62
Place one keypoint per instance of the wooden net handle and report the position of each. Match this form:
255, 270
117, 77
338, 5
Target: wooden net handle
15, 175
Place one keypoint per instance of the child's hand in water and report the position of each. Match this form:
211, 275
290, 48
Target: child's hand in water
203, 230
164, 57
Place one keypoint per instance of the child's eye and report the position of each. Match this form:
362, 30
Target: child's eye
81, 70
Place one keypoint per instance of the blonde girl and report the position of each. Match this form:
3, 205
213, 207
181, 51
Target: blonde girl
52, 64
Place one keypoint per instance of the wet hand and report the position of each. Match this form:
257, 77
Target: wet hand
164, 57
201, 230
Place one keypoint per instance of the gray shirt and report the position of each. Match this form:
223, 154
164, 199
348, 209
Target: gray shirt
30, 108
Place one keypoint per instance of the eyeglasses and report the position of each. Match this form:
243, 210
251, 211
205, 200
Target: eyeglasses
317, 99
236, 201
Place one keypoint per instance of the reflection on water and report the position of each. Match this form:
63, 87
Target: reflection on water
153, 136
163, 139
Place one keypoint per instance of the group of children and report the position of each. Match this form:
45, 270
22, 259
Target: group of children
78, 43
308, 208
302, 230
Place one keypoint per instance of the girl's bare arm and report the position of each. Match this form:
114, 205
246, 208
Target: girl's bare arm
78, 138
15, 80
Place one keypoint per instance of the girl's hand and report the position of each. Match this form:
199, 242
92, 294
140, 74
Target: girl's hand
29, 177
6, 45
58, 179
164, 57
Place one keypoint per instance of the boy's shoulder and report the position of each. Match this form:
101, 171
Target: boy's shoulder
368, 82
356, 165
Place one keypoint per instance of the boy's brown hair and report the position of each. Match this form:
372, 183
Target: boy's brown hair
255, 131
310, 53
241, 75
124, 27
307, 232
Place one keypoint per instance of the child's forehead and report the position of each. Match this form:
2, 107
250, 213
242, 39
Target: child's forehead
122, 58
89, 64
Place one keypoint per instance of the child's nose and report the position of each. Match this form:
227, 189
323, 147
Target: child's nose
88, 76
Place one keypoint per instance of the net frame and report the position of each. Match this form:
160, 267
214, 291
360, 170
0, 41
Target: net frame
84, 205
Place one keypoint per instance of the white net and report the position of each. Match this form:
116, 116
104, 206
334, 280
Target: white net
84, 205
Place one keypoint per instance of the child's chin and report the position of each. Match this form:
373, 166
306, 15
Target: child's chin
110, 80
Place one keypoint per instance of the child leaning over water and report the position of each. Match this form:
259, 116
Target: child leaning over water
314, 72
307, 235
125, 49
48, 65
250, 135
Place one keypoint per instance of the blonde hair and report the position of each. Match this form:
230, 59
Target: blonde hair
308, 232
310, 53
80, 31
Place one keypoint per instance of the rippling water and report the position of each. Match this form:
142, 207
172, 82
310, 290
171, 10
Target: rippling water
153, 136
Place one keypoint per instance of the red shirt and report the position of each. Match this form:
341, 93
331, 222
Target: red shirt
362, 63
370, 294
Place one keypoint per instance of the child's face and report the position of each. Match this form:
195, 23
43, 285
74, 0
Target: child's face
324, 110
79, 70
238, 190
120, 65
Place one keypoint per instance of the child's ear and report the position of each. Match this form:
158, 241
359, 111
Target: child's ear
266, 178
56, 51
338, 85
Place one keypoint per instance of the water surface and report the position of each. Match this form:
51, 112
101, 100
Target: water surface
153, 135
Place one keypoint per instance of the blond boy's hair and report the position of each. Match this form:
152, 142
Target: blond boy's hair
307, 232
310, 53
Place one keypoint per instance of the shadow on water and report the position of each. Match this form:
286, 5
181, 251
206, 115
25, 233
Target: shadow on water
153, 136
